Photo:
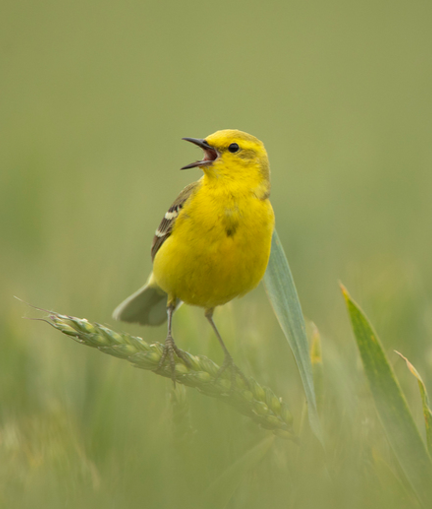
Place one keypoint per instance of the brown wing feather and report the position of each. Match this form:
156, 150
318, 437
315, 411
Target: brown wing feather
167, 224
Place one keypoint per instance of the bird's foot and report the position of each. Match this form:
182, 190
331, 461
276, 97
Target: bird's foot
170, 348
228, 363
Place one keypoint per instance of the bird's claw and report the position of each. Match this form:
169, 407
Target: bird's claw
170, 348
228, 363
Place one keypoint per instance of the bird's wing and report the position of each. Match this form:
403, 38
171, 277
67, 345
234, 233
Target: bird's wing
167, 224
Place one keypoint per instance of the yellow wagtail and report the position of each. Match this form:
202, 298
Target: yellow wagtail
213, 243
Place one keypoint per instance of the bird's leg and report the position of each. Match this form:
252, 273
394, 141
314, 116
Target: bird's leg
170, 347
228, 362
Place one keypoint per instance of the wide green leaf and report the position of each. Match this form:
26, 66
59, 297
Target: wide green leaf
427, 412
394, 413
282, 293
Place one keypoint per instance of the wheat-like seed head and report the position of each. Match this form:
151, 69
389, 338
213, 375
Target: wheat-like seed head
257, 402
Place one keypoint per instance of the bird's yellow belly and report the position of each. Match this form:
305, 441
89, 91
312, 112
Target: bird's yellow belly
208, 263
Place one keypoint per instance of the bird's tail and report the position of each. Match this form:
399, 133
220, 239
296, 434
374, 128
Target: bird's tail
146, 306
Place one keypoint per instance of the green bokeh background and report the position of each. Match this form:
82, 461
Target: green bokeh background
95, 98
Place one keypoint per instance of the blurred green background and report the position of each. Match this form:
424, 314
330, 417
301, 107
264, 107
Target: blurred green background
95, 98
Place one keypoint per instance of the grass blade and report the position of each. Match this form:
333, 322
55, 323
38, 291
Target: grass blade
317, 365
223, 488
395, 416
427, 412
283, 296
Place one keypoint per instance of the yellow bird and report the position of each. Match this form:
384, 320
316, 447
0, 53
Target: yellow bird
213, 243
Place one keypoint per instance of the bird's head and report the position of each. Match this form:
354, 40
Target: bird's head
232, 154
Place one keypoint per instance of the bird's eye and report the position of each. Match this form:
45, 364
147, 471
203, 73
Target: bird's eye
233, 147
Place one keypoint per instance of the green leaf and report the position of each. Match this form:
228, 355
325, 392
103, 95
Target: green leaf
427, 412
283, 296
395, 416
317, 364
223, 487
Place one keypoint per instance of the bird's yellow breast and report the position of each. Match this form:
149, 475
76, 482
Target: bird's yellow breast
219, 247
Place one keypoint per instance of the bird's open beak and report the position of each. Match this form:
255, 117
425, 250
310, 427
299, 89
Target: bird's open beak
210, 154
